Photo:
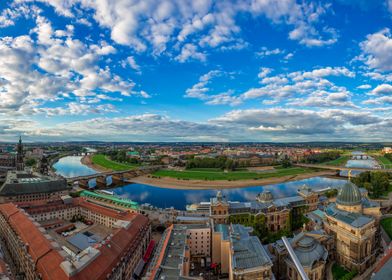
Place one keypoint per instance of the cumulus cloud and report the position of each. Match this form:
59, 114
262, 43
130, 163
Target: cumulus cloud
365, 86
382, 89
276, 124
202, 91
182, 24
377, 50
305, 88
49, 65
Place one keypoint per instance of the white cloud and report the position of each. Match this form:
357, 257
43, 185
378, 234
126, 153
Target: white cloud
377, 50
167, 27
276, 124
382, 89
365, 86
55, 66
267, 52
189, 52
130, 60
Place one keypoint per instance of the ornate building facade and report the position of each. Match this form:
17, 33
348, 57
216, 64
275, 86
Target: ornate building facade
353, 222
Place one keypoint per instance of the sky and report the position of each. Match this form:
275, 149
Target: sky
196, 70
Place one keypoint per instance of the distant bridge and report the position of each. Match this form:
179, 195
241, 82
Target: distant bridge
118, 177
341, 168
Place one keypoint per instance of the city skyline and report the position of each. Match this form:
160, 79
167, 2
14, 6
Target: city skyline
196, 71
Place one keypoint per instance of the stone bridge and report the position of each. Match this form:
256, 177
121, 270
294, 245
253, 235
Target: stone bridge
117, 177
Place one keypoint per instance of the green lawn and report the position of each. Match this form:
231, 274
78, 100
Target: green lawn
339, 161
387, 226
338, 271
213, 174
103, 161
384, 160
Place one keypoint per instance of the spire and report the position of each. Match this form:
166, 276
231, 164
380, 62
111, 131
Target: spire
19, 156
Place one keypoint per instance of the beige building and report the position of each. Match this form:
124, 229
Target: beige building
239, 254
38, 252
219, 209
220, 253
353, 221
180, 245
311, 249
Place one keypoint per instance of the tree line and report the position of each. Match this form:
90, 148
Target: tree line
375, 182
221, 162
322, 157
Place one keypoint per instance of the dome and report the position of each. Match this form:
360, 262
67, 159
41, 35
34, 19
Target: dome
309, 250
265, 196
349, 195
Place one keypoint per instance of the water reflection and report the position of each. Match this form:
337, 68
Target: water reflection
360, 160
178, 199
71, 166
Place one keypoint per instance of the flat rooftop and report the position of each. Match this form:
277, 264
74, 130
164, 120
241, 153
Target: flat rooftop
81, 237
22, 182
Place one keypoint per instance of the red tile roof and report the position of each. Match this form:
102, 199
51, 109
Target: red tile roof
48, 259
39, 246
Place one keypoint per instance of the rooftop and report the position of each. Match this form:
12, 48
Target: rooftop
349, 194
356, 220
94, 262
247, 250
22, 182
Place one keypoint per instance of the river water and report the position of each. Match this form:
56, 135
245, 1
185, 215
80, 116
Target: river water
71, 166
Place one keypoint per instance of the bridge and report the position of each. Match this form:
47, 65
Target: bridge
341, 168
117, 177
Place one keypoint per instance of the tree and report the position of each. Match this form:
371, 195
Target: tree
286, 163
376, 182
31, 162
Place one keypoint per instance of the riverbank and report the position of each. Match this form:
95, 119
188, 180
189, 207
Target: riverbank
172, 183
86, 160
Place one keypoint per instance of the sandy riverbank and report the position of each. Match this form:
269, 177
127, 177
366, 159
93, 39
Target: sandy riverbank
86, 160
172, 183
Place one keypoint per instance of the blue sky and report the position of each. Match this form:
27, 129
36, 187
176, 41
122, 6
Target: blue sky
196, 70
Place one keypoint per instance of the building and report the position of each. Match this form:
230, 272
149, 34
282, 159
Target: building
273, 213
11, 161
19, 156
180, 245
387, 150
311, 197
220, 253
22, 186
44, 244
7, 161
248, 258
353, 222
311, 249
110, 201
219, 209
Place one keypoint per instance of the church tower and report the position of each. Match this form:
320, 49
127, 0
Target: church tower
19, 156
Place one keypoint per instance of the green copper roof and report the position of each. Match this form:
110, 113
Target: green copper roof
113, 199
349, 195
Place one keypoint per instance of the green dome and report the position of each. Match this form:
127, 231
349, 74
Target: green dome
349, 195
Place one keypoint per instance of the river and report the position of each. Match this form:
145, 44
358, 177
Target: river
71, 166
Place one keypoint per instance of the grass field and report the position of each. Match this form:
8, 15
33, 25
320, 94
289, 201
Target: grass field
103, 161
338, 272
213, 174
387, 225
339, 161
384, 160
